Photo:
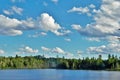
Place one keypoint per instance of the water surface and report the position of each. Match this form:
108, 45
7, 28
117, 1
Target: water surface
52, 74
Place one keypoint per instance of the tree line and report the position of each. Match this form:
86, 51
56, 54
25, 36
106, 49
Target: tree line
40, 62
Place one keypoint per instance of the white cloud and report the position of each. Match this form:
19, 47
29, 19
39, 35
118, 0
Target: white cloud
7, 12
69, 55
79, 52
98, 50
88, 10
43, 33
45, 23
67, 39
54, 50
92, 6
17, 1
28, 49
64, 32
17, 10
58, 50
76, 27
13, 10
8, 26
55, 1
38, 34
107, 21
94, 39
110, 48
9, 22
2, 51
79, 9
45, 49
110, 39
29, 24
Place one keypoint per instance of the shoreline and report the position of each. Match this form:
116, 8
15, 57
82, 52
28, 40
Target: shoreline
57, 69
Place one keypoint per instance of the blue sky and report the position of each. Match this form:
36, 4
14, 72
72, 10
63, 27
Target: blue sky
70, 28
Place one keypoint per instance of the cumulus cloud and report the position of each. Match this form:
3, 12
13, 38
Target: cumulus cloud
108, 38
28, 49
83, 10
107, 22
2, 51
94, 39
45, 22
45, 49
106, 49
76, 27
79, 9
54, 50
13, 10
13, 27
92, 6
106, 27
57, 50
8, 26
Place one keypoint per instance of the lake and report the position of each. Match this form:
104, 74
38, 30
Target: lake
53, 74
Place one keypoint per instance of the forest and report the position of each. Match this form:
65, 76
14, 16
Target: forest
40, 62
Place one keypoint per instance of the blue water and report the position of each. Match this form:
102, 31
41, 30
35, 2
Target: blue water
52, 74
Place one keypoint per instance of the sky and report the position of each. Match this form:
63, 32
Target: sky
69, 28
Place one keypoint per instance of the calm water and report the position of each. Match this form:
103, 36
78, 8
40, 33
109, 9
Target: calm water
52, 74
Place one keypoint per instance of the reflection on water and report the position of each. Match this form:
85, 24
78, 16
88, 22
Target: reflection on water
52, 74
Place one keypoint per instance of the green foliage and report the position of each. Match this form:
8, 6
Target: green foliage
40, 62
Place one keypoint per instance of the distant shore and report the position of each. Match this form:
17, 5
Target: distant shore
40, 62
